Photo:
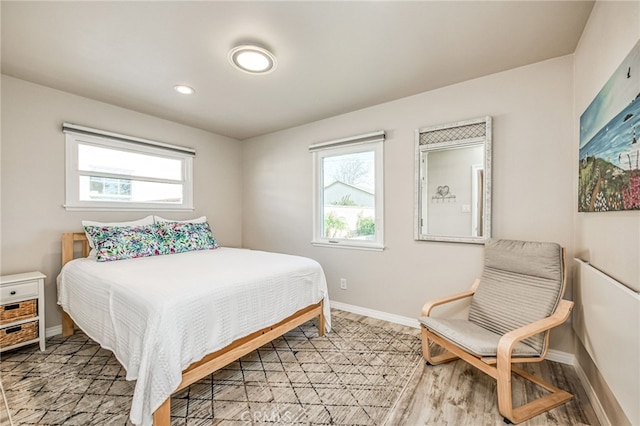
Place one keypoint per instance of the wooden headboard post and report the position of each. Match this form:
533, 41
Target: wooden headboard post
68, 240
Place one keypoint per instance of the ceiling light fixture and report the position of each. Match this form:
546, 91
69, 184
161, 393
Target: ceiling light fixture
252, 59
185, 90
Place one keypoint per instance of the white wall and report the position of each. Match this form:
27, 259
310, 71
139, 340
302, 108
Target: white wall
32, 163
532, 186
609, 241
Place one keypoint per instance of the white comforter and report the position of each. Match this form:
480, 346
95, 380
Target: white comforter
160, 314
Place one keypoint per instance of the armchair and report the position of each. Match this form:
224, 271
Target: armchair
513, 306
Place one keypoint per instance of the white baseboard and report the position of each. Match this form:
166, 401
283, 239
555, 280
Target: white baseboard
372, 313
53, 331
561, 357
552, 355
593, 398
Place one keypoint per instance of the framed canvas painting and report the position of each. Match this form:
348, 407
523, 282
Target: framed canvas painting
609, 169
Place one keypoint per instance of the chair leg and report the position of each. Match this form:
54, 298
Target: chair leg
533, 408
503, 379
426, 351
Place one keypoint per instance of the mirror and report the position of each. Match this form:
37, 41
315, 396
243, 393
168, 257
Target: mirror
453, 182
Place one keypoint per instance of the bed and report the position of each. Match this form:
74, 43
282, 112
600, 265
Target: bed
171, 320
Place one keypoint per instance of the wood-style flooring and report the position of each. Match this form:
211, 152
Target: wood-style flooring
458, 394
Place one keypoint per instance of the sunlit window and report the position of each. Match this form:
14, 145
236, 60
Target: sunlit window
113, 174
348, 192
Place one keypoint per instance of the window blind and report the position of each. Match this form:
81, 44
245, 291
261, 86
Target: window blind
73, 128
378, 136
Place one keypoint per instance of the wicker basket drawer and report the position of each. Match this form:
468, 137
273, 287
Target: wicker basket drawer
15, 334
12, 312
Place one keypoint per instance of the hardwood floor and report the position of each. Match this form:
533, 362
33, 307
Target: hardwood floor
447, 394
459, 394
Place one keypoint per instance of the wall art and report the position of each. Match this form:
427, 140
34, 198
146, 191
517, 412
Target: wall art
609, 169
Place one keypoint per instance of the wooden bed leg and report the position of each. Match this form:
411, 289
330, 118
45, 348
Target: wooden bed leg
67, 325
321, 322
162, 416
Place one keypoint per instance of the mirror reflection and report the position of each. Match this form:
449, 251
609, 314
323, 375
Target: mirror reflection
453, 182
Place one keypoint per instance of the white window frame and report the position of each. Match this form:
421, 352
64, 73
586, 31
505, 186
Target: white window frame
362, 143
77, 135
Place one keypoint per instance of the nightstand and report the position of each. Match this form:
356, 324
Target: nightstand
22, 310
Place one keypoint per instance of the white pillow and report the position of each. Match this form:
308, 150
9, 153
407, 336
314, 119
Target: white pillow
201, 219
144, 221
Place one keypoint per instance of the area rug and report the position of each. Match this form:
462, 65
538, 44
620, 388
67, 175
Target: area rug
353, 375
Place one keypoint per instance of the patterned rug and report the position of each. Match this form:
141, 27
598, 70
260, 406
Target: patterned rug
353, 375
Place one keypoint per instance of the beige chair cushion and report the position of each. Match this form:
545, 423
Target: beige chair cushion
521, 283
473, 338
543, 260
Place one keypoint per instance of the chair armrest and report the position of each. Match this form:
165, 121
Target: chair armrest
508, 341
426, 309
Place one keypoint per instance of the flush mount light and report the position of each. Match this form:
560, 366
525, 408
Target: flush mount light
252, 59
185, 90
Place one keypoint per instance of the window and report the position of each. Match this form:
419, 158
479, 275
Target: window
102, 188
107, 171
348, 198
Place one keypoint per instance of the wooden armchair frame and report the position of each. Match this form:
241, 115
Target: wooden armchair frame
500, 367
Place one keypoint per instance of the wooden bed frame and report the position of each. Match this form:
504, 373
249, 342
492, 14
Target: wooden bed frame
215, 360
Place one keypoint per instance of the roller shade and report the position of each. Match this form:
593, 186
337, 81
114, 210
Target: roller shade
73, 128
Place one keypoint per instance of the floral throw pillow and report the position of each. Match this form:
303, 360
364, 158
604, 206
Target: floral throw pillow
125, 242
179, 237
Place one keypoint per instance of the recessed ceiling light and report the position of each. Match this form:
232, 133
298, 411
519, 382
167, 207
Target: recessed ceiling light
185, 90
252, 59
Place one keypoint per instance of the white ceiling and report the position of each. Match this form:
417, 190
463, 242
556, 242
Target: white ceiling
333, 57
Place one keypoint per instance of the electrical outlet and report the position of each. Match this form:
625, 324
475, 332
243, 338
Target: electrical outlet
343, 283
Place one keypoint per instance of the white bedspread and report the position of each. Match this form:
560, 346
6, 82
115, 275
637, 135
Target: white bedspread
160, 314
